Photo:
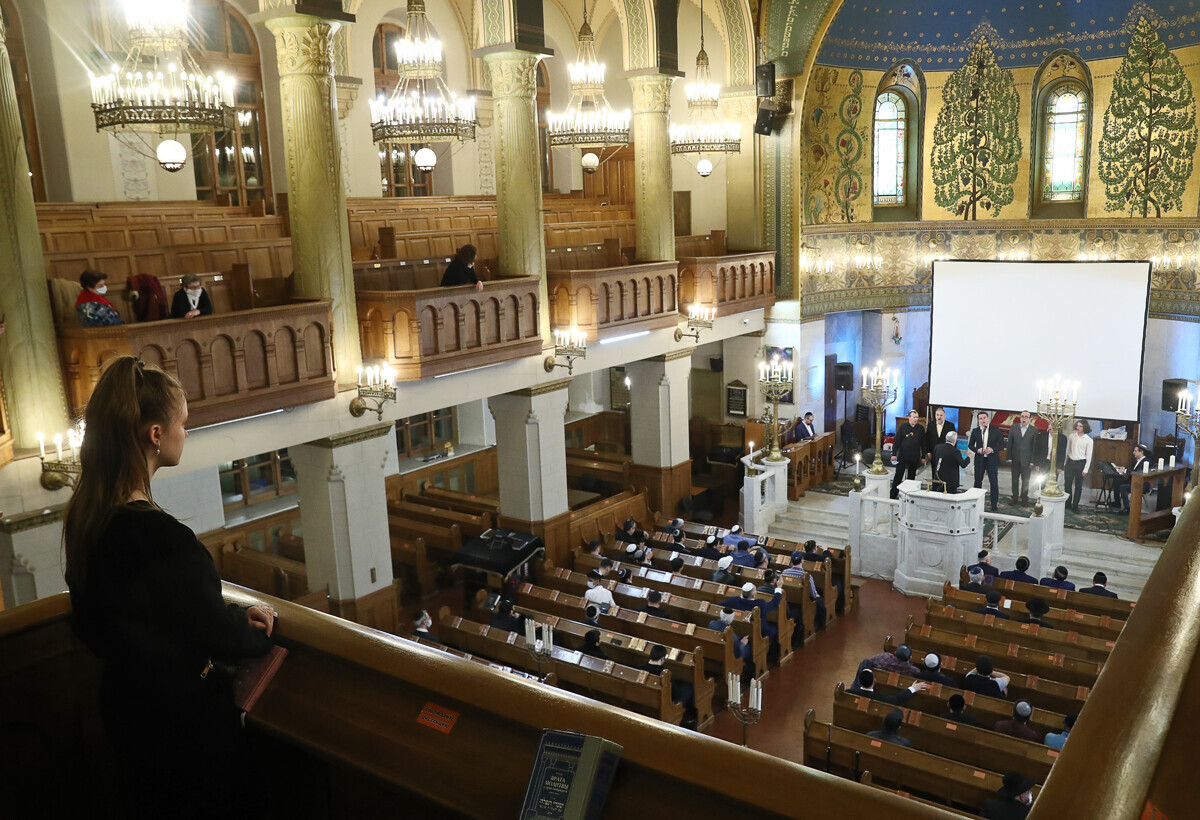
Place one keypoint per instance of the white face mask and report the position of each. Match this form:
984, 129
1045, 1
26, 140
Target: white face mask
103, 289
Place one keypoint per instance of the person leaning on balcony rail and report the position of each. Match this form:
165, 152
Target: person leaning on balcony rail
461, 270
93, 309
146, 598
191, 300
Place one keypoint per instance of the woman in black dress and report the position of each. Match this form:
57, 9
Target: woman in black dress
191, 300
147, 600
461, 270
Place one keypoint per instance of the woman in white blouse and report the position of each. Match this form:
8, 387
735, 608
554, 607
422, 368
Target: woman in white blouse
1079, 461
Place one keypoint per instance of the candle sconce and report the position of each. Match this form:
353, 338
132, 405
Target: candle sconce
699, 318
376, 387
570, 345
61, 470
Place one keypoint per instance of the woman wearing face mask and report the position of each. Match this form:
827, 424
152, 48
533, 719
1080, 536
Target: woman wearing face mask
191, 300
93, 309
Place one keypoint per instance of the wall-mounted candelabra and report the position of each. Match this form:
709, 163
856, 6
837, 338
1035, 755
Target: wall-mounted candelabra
62, 468
1054, 406
699, 318
376, 387
570, 345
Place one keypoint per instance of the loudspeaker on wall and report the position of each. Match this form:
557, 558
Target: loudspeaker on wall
1170, 395
843, 376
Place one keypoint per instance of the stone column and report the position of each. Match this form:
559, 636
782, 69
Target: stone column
521, 235
660, 397
304, 45
653, 194
743, 174
343, 507
532, 463
28, 350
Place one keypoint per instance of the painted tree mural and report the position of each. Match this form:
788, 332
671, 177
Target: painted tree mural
1149, 129
976, 141
834, 163
849, 184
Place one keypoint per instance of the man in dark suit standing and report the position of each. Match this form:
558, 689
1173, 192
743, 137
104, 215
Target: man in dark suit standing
1124, 483
909, 450
947, 462
1021, 437
985, 444
938, 430
806, 430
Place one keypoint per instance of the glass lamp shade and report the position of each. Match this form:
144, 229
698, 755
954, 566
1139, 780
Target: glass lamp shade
425, 159
171, 155
704, 167
590, 163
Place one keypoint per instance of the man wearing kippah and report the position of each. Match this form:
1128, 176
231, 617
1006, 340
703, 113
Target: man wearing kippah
897, 661
1018, 725
746, 602
933, 673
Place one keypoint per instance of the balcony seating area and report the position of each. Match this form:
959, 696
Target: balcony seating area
731, 282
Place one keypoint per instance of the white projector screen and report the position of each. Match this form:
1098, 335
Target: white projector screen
998, 328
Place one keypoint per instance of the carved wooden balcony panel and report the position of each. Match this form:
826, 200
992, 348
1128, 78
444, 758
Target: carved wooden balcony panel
422, 333
613, 301
731, 283
231, 365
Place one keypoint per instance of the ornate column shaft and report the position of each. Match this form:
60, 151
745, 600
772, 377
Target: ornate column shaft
653, 195
521, 232
316, 194
28, 351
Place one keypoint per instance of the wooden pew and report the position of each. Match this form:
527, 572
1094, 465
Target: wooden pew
848, 754
456, 500
1064, 698
685, 610
1031, 636
1095, 626
1055, 666
441, 541
956, 741
1066, 599
687, 665
614, 474
262, 571
607, 681
471, 526
605, 516
718, 646
410, 563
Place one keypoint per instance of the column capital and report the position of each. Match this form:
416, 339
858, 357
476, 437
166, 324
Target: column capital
352, 436
514, 73
541, 389
651, 93
303, 44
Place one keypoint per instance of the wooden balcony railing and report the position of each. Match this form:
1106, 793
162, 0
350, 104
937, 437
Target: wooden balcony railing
611, 301
422, 333
731, 283
231, 365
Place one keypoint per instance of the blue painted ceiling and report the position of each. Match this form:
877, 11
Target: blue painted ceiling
938, 34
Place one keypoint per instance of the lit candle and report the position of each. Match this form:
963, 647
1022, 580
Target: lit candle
58, 446
857, 462
1160, 464
41, 438
1075, 394
1039, 391
1146, 466
1172, 462
549, 639
529, 631
864, 387
731, 686
752, 448
359, 376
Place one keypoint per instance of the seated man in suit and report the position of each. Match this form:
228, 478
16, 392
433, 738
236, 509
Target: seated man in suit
746, 602
947, 462
985, 444
890, 733
710, 549
796, 570
864, 685
805, 429
985, 564
1037, 608
974, 582
1099, 586
591, 645
681, 690
993, 605
1019, 574
629, 533
741, 646
957, 713
1059, 581
724, 575
1012, 800
932, 672
506, 619
1124, 482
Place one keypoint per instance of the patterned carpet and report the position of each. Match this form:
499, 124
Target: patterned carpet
1092, 519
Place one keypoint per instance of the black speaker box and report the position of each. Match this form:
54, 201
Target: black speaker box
765, 123
1171, 390
843, 376
764, 80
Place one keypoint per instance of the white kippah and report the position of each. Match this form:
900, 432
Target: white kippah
631, 549
724, 563
712, 539
736, 528
931, 661
747, 587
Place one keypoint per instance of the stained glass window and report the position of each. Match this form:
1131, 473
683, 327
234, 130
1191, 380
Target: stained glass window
1065, 138
891, 146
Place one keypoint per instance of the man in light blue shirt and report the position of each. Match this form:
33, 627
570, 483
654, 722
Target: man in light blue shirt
1055, 740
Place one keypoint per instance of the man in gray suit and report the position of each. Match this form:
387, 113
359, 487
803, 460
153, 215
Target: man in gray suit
1021, 437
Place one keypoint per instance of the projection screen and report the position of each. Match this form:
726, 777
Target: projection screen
1000, 327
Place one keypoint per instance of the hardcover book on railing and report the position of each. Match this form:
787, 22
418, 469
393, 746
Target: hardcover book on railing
571, 776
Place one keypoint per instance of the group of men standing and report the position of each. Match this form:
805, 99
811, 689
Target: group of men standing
915, 446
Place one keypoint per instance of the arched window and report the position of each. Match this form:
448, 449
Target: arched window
1064, 143
891, 149
400, 176
20, 72
234, 163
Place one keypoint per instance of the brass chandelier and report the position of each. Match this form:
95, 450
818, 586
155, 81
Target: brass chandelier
704, 132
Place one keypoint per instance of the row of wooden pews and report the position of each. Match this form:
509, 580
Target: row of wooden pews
950, 762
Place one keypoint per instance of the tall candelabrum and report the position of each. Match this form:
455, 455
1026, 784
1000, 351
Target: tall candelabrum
749, 714
774, 382
879, 391
1059, 412
1187, 416
1054, 406
539, 642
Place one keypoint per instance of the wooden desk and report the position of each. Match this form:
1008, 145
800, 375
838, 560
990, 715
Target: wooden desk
580, 498
1141, 525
